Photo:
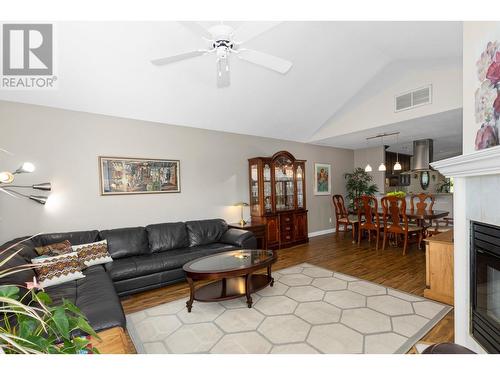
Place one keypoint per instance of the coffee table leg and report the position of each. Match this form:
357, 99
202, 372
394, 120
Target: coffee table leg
189, 304
248, 289
269, 276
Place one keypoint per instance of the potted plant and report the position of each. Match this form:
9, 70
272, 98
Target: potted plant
31, 324
359, 183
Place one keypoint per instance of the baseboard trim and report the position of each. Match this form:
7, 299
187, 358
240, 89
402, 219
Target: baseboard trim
322, 232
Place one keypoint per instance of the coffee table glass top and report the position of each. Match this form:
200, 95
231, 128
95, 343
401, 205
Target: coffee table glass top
230, 260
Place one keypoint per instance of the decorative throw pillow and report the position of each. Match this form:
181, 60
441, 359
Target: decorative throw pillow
58, 269
55, 249
93, 253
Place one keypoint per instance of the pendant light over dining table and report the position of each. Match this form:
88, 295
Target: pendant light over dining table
368, 167
382, 167
397, 165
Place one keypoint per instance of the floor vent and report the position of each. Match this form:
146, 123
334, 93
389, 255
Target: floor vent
414, 98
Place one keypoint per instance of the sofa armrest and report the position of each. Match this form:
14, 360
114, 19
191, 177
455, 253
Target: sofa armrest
239, 237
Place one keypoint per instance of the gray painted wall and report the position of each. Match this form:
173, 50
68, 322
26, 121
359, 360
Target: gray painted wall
64, 146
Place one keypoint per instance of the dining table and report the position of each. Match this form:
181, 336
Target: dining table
422, 215
419, 216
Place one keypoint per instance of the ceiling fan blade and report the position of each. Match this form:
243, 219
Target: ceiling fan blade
223, 77
252, 29
179, 57
267, 61
196, 28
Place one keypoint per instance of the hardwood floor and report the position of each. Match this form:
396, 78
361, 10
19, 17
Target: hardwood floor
389, 268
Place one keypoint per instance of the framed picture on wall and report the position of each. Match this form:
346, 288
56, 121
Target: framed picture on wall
121, 176
322, 179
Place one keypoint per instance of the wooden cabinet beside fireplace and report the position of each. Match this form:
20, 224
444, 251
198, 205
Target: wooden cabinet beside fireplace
277, 198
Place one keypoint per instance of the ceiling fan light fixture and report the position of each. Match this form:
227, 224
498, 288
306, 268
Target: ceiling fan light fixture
39, 198
222, 43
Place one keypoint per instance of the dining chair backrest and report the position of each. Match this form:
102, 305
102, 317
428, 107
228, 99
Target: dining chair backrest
367, 209
394, 213
422, 202
340, 210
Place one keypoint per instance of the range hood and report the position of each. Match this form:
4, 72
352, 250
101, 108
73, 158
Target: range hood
423, 150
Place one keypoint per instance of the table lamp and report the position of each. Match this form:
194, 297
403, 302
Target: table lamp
242, 204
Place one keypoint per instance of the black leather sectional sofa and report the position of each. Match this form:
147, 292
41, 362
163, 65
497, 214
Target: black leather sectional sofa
143, 258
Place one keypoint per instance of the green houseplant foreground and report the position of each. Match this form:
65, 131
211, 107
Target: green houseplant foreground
31, 324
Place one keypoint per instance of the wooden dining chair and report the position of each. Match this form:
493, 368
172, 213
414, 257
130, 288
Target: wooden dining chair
422, 202
396, 221
368, 218
342, 216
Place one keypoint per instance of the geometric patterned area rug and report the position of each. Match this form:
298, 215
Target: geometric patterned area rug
308, 310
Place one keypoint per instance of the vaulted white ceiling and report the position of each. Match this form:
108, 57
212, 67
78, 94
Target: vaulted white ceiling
104, 67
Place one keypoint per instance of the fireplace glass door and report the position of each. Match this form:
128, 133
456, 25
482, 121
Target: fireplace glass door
488, 287
485, 286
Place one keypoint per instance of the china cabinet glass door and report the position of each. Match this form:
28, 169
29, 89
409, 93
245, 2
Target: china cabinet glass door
284, 184
299, 175
268, 205
254, 188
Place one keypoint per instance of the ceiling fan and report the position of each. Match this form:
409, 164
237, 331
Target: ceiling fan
224, 41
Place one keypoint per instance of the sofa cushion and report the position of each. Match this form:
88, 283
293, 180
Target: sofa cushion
167, 236
60, 291
126, 242
95, 296
241, 238
147, 282
53, 249
24, 245
180, 257
58, 269
203, 232
131, 267
18, 279
76, 238
91, 254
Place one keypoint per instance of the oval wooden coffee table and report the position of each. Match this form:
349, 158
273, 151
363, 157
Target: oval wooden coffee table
233, 272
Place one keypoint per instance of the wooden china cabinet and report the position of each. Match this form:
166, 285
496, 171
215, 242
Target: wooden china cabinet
278, 198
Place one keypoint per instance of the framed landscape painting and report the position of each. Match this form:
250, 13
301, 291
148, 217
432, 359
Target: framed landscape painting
121, 176
322, 179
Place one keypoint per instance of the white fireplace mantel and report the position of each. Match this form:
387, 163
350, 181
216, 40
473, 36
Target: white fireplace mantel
477, 177
479, 163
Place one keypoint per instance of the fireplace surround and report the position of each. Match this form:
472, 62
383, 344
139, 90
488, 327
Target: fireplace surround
485, 286
475, 199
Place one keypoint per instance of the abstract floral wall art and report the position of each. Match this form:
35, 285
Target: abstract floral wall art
487, 97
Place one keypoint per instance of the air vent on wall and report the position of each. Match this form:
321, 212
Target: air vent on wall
414, 98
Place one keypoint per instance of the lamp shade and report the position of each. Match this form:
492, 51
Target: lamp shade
397, 166
39, 198
381, 167
46, 186
368, 168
